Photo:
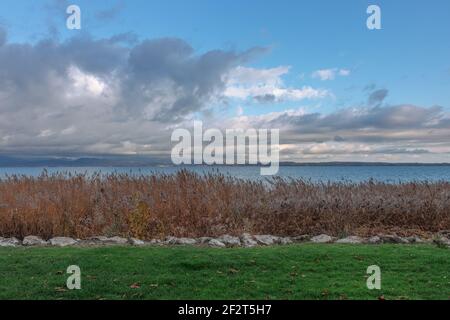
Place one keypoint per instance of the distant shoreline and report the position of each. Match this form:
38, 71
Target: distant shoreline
100, 164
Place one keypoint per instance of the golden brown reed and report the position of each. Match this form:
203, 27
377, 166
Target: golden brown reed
191, 205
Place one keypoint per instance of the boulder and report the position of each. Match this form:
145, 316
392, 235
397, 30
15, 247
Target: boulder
136, 242
204, 240
9, 242
351, 240
442, 241
34, 241
444, 233
117, 240
323, 238
230, 241
392, 239
93, 241
301, 238
180, 241
216, 243
266, 240
374, 240
154, 242
248, 241
285, 241
62, 241
415, 239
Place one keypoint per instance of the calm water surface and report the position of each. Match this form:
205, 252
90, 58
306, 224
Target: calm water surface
390, 174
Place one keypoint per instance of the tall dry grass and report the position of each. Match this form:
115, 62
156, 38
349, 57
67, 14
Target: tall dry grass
190, 205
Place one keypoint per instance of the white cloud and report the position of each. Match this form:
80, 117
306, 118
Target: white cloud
85, 83
266, 85
344, 72
330, 74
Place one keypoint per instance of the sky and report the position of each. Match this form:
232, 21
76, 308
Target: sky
136, 70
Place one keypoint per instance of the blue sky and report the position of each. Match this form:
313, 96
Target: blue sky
409, 58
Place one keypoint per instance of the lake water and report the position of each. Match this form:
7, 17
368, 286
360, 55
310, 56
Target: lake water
390, 174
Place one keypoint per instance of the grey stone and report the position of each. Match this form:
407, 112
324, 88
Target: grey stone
62, 241
441, 240
204, 240
444, 233
117, 240
415, 239
98, 239
180, 241
266, 240
392, 239
374, 240
301, 238
323, 238
136, 242
9, 242
248, 241
230, 241
351, 240
285, 241
153, 242
216, 243
34, 241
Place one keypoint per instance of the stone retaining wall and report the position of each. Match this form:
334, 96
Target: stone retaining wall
246, 240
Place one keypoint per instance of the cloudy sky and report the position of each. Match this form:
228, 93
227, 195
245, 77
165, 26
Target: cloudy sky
139, 69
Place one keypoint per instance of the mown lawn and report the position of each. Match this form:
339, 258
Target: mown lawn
292, 272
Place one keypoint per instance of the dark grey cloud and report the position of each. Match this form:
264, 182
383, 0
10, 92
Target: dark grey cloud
111, 13
266, 98
168, 70
377, 97
389, 117
3, 36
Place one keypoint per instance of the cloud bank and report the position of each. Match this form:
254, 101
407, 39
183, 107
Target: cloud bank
122, 96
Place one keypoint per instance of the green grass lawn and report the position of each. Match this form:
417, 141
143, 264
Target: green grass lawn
290, 272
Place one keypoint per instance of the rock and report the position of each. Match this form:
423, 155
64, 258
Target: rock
230, 241
180, 241
9, 242
285, 241
351, 240
374, 240
204, 240
415, 239
136, 242
266, 240
34, 241
444, 233
392, 239
441, 241
302, 238
117, 240
98, 238
93, 241
323, 238
62, 241
248, 241
102, 240
155, 242
216, 243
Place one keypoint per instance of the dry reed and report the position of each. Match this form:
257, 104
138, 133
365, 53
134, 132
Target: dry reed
191, 205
